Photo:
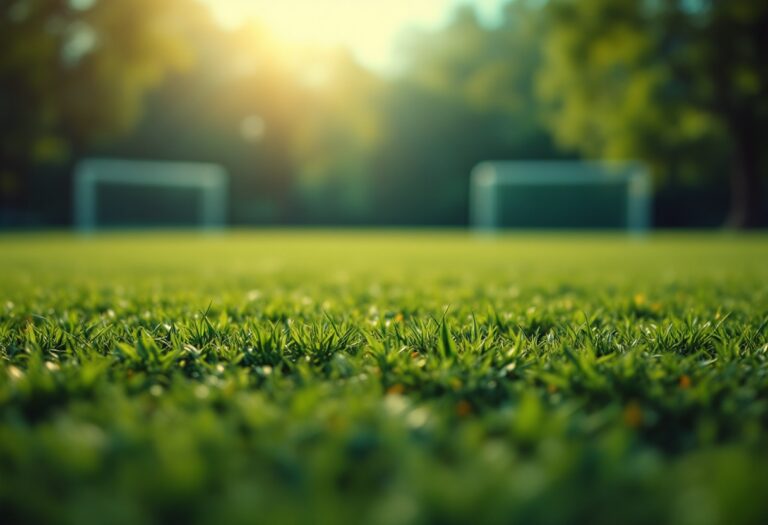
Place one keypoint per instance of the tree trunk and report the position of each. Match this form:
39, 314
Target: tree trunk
746, 209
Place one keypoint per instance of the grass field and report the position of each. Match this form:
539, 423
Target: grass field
384, 378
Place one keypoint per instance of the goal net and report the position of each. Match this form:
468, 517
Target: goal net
141, 194
560, 195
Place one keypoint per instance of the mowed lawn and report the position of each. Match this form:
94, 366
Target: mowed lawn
383, 378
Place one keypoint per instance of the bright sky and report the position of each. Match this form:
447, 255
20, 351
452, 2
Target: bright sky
369, 27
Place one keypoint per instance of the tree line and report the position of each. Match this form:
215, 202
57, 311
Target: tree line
312, 136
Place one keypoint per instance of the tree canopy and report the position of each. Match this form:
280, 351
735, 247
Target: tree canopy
682, 85
310, 135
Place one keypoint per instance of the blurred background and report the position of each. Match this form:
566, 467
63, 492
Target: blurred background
374, 112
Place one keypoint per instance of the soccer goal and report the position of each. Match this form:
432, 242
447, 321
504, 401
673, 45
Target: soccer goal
560, 195
116, 194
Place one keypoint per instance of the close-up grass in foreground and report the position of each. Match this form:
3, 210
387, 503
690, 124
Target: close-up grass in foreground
341, 377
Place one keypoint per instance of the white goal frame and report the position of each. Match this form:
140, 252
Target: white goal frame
487, 177
210, 179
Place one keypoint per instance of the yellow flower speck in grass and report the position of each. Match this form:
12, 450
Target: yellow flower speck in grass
656, 307
463, 408
202, 392
639, 299
685, 382
398, 318
633, 414
396, 389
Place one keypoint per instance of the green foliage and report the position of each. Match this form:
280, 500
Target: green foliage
679, 84
423, 378
610, 93
466, 94
74, 74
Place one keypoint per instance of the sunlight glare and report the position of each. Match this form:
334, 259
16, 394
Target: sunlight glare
370, 28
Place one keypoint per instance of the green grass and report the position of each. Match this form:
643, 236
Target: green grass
320, 377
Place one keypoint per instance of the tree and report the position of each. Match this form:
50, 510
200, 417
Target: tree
682, 84
335, 137
465, 95
73, 72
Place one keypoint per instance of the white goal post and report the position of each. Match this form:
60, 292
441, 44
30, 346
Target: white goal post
146, 191
560, 194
